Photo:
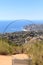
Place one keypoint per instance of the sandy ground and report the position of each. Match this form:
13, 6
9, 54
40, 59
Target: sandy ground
20, 56
7, 60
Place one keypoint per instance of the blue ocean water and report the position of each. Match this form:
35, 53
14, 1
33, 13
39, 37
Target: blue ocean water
14, 26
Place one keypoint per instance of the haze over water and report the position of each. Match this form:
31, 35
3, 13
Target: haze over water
17, 25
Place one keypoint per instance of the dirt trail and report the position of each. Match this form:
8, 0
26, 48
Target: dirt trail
7, 60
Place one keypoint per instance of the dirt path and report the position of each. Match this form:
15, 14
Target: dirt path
5, 60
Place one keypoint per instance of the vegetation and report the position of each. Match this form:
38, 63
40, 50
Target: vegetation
14, 44
35, 49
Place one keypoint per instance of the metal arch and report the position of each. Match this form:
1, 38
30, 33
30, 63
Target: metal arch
12, 23
7, 26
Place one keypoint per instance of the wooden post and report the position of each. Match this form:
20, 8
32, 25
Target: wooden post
22, 62
21, 59
30, 61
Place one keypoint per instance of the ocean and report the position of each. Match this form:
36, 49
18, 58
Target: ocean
17, 25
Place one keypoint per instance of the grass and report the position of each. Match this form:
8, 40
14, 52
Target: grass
35, 49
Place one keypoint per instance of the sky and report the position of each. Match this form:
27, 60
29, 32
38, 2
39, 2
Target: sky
21, 9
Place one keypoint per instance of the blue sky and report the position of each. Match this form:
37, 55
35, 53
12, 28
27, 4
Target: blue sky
21, 9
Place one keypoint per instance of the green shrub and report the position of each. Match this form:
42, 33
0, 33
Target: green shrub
36, 51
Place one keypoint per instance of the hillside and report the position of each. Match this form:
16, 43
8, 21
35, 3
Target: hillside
28, 42
34, 27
